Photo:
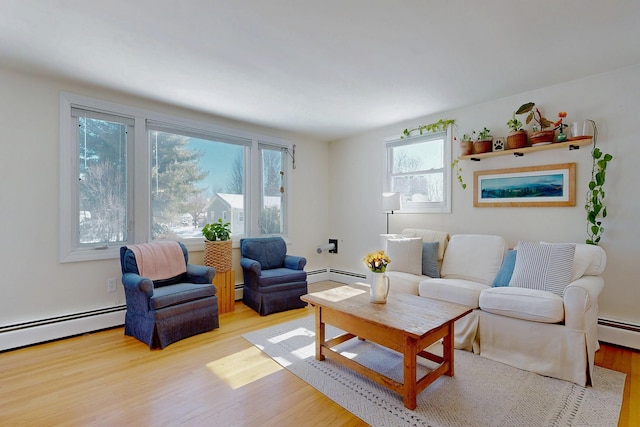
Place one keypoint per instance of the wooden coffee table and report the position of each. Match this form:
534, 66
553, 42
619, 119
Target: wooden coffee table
407, 324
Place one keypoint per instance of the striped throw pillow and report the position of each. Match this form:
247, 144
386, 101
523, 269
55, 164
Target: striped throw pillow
543, 266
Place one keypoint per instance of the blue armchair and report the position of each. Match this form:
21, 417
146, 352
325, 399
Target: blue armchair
167, 309
273, 280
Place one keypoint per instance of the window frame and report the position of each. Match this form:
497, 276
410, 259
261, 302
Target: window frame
139, 176
422, 207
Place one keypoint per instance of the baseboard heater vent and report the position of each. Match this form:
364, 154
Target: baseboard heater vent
42, 330
319, 271
620, 325
348, 273
620, 333
60, 319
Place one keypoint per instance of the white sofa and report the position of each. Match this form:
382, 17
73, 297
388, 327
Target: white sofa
549, 331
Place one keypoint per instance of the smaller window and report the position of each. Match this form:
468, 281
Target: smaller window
419, 169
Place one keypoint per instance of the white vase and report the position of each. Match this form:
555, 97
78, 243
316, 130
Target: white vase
379, 288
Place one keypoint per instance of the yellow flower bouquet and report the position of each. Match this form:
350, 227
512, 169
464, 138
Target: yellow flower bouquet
377, 261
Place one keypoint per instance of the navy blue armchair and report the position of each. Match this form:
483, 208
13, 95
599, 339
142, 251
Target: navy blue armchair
165, 310
273, 280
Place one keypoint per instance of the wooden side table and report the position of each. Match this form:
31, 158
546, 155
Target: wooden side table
225, 283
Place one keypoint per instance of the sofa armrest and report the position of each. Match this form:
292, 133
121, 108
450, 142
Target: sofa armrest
200, 274
294, 262
580, 297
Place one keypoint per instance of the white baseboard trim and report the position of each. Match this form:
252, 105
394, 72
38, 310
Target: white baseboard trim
619, 333
29, 333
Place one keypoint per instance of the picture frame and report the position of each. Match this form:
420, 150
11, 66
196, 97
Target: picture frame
533, 186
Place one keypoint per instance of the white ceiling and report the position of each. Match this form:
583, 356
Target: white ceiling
326, 68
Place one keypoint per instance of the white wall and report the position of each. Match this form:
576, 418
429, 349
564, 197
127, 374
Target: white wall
610, 99
33, 284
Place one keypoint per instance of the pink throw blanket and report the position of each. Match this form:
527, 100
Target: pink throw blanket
159, 260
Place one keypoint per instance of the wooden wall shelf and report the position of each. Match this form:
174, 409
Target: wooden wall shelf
519, 152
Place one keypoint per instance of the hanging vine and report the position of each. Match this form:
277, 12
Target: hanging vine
440, 126
595, 207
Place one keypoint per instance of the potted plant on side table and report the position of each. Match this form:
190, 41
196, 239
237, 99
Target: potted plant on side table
217, 246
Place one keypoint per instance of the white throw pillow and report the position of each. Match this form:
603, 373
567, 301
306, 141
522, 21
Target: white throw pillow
543, 266
405, 255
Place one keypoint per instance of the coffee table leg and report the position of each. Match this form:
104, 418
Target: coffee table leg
410, 361
447, 348
319, 333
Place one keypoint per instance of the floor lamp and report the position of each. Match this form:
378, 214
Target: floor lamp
390, 203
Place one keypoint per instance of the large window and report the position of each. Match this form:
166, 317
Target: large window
130, 176
196, 178
419, 169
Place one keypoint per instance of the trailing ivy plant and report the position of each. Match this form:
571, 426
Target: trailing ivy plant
439, 126
596, 210
458, 169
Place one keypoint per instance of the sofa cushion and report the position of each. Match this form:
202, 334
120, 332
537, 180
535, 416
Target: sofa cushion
543, 266
278, 276
405, 255
506, 270
474, 257
522, 303
430, 259
459, 291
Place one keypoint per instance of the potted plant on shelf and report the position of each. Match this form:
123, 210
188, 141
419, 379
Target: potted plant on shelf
484, 142
466, 144
217, 246
517, 138
540, 135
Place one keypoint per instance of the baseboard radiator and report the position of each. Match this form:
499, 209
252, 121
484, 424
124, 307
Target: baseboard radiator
53, 328
620, 333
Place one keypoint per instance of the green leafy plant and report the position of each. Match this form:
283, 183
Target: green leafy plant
458, 169
596, 210
534, 114
468, 137
483, 134
438, 126
514, 124
217, 231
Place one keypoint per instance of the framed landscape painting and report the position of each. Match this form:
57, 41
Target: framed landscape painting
539, 186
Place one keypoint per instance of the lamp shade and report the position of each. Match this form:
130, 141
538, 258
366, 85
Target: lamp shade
390, 202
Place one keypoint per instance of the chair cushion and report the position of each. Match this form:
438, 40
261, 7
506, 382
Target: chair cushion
522, 303
277, 276
452, 290
268, 251
179, 293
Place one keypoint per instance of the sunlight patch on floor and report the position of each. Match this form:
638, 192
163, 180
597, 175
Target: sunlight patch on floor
244, 367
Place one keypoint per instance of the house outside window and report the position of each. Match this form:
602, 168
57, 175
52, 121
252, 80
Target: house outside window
418, 168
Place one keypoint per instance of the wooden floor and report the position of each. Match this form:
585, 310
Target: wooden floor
216, 378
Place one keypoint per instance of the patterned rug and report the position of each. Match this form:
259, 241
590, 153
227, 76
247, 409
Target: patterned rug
482, 392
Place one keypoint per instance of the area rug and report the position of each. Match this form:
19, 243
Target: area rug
482, 392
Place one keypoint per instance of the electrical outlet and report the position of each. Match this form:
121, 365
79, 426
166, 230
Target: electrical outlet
335, 247
111, 284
